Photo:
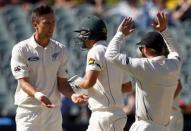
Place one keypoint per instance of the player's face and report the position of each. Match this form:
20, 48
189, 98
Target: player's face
45, 25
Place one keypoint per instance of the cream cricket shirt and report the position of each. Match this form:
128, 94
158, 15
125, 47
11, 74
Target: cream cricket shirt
106, 93
42, 66
156, 79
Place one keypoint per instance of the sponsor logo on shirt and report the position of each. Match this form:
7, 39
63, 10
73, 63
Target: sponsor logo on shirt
17, 69
55, 55
33, 58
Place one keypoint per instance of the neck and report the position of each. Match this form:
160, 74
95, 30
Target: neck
150, 54
41, 41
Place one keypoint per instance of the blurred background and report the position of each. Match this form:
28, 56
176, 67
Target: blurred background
15, 26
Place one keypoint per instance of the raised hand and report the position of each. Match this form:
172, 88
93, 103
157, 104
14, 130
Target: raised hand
161, 22
126, 27
79, 99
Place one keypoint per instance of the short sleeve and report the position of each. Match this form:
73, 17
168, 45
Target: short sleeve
19, 66
62, 70
94, 60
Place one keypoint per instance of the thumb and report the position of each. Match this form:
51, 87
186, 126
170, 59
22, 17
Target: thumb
132, 30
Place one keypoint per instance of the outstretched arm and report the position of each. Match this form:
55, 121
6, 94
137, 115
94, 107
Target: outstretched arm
160, 25
113, 50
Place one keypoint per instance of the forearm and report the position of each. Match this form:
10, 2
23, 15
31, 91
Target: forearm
178, 89
27, 87
65, 89
171, 44
85, 84
127, 87
113, 51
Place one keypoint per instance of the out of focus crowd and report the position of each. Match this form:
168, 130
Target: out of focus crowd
142, 11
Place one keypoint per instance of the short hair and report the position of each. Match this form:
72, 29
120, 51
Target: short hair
41, 10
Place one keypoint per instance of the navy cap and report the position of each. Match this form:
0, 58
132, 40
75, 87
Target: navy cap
153, 40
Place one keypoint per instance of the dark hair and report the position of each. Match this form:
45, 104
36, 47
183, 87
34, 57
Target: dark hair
41, 10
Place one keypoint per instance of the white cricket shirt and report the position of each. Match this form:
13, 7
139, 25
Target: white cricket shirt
106, 93
156, 79
42, 66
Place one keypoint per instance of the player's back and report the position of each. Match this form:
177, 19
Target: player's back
156, 89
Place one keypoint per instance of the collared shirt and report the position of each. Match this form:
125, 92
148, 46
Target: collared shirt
156, 79
42, 66
107, 90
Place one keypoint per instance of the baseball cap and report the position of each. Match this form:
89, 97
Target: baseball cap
153, 40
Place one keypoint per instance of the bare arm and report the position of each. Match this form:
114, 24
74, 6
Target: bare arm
64, 87
178, 89
27, 87
31, 91
126, 87
89, 79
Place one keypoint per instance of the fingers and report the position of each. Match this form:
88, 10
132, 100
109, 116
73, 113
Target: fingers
46, 102
77, 98
49, 105
160, 23
162, 18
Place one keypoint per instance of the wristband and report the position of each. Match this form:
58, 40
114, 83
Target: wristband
38, 95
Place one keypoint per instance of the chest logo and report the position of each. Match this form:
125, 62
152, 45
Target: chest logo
33, 58
17, 69
55, 55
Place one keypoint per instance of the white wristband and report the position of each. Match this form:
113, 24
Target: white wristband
38, 95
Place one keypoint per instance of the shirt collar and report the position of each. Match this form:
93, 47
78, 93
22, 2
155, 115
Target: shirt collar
102, 42
158, 58
34, 44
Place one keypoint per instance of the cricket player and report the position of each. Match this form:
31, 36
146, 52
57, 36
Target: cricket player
39, 65
103, 81
156, 76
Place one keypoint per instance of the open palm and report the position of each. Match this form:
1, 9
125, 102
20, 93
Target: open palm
160, 24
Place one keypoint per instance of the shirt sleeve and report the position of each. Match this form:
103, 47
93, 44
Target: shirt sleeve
19, 65
126, 78
134, 66
62, 70
174, 51
94, 60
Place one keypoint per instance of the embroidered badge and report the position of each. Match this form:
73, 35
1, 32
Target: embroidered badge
91, 61
33, 58
17, 69
55, 55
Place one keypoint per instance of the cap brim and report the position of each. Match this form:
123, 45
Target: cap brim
78, 31
139, 43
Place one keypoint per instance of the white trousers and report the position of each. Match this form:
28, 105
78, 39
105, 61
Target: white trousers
141, 125
176, 121
38, 119
107, 121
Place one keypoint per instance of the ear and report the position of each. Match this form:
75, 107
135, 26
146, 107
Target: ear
34, 24
145, 51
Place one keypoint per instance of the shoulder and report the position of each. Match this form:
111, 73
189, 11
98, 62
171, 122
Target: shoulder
57, 44
20, 46
59, 47
98, 49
